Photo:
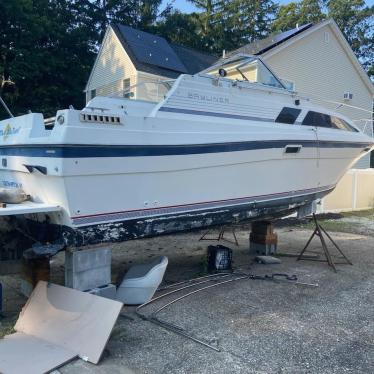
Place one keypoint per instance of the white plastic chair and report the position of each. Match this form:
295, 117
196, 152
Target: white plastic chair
141, 282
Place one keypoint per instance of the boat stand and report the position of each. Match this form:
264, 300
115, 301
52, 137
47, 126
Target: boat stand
320, 231
221, 235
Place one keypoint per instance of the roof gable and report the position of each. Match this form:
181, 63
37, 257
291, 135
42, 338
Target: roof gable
342, 40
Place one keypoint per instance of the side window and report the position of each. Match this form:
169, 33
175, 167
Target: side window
317, 119
339, 123
309, 119
288, 115
322, 120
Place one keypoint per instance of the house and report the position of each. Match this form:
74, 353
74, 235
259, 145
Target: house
316, 60
130, 57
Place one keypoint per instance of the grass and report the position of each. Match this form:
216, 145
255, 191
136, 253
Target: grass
360, 213
7, 327
337, 224
330, 225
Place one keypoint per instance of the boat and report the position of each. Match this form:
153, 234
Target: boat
226, 145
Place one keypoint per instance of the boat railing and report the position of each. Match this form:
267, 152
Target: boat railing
151, 90
366, 125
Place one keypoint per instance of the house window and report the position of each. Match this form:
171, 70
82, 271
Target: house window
326, 37
126, 86
93, 93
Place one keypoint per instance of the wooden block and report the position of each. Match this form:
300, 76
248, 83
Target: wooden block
262, 227
263, 238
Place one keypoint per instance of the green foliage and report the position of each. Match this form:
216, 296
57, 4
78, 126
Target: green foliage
182, 29
300, 13
230, 24
42, 45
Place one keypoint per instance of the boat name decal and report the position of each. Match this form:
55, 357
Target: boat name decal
9, 130
208, 98
11, 184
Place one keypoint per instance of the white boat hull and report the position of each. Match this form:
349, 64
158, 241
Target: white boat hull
162, 171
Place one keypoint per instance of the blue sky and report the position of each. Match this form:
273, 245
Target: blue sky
187, 7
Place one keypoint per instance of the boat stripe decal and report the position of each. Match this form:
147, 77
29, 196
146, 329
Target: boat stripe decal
214, 114
152, 212
85, 151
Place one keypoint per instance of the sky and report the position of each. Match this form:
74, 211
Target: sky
187, 7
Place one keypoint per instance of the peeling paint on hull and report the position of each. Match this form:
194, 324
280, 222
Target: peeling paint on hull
167, 224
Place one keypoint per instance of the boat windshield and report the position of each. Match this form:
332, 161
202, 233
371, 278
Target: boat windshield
147, 90
245, 68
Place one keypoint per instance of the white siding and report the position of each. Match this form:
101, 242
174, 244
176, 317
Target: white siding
323, 69
112, 66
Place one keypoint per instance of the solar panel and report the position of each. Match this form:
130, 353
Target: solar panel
151, 49
261, 46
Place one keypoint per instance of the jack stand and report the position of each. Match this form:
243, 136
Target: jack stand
319, 231
221, 236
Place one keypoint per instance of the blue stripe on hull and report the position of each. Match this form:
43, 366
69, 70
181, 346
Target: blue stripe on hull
89, 151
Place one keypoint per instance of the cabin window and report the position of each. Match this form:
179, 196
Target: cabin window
126, 88
245, 68
324, 120
339, 123
290, 86
288, 115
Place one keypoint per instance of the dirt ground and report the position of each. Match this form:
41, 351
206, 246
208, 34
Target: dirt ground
258, 326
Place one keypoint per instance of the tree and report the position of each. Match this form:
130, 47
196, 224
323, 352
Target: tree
182, 29
140, 14
292, 14
44, 52
230, 24
245, 21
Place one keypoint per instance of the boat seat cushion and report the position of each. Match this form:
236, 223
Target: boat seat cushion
140, 271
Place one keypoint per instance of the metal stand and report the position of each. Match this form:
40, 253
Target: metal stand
319, 231
221, 235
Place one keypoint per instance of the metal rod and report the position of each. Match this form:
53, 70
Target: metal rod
6, 107
171, 292
182, 333
199, 290
191, 280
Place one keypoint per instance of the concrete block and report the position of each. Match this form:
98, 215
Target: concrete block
88, 269
109, 291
